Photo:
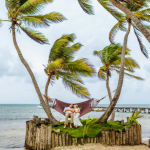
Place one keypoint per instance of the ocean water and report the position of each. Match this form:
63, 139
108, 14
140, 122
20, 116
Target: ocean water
13, 121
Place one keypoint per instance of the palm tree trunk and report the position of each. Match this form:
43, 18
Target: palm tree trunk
105, 116
53, 120
110, 98
29, 71
143, 30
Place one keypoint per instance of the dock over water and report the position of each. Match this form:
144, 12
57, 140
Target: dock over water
128, 109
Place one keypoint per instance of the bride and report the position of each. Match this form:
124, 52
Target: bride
76, 120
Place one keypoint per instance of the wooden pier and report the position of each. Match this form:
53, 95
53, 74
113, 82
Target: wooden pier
129, 109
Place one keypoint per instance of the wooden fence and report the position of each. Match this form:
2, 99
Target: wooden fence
39, 136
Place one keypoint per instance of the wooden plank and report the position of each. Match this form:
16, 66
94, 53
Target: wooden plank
63, 139
127, 134
89, 140
100, 139
82, 141
67, 137
135, 133
123, 138
46, 137
103, 137
27, 134
120, 137
76, 141
70, 141
132, 137
56, 140
60, 140
49, 128
38, 138
85, 140
53, 139
117, 138
42, 137
113, 137
34, 137
107, 137
95, 140
92, 140
140, 133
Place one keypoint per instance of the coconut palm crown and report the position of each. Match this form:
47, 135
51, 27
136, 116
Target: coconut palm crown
110, 57
25, 14
140, 10
61, 64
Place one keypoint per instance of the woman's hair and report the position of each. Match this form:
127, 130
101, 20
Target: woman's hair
77, 106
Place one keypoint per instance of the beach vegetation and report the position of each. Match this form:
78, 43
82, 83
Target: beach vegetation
143, 15
134, 117
110, 57
63, 65
93, 131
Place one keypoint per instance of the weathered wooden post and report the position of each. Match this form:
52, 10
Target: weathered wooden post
88, 140
53, 139
92, 140
42, 137
134, 134
60, 140
56, 139
120, 137
49, 136
127, 135
123, 138
113, 137
34, 136
132, 137
95, 140
117, 138
82, 141
138, 134
103, 137
27, 134
38, 138
67, 137
63, 139
107, 137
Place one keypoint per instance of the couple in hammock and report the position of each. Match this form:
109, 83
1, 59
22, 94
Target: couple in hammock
72, 111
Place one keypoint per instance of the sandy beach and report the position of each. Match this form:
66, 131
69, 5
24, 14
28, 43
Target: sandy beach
101, 147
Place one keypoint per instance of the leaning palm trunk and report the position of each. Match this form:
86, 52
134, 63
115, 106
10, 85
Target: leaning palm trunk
110, 98
52, 119
30, 72
143, 30
105, 116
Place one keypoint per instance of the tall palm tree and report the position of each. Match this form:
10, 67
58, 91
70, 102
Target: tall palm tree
110, 57
23, 14
61, 65
107, 113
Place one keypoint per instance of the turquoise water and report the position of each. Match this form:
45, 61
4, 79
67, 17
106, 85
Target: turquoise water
13, 118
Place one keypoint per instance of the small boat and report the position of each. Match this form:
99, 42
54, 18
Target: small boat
40, 107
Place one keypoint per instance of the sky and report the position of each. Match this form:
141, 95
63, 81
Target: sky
93, 32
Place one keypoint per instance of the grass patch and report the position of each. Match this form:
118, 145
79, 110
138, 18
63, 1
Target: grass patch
94, 130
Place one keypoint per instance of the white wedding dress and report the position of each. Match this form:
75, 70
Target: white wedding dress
76, 120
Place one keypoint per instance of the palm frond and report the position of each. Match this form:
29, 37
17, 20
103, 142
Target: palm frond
101, 75
76, 88
69, 37
143, 48
55, 50
81, 67
33, 21
32, 6
129, 75
70, 76
111, 9
86, 6
55, 65
118, 26
53, 17
35, 35
12, 4
145, 11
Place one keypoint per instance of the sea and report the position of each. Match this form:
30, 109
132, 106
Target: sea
13, 119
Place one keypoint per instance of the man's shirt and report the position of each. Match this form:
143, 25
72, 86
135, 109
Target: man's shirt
68, 108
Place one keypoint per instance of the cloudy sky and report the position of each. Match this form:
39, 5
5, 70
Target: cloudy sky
92, 31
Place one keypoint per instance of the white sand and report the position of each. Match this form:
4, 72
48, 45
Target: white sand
92, 146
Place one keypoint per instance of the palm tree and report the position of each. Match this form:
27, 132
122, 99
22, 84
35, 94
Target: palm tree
61, 64
23, 14
107, 113
110, 57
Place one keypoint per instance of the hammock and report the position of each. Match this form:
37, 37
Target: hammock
85, 107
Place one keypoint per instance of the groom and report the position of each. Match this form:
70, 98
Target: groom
68, 112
